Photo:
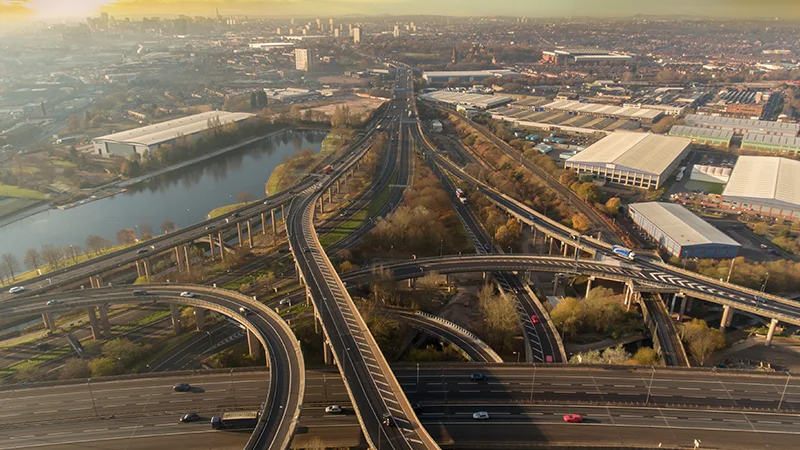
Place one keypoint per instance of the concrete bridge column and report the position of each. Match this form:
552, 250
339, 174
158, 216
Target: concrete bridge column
328, 353
239, 231
412, 283
330, 195
555, 284
730, 317
263, 223
146, 269
772, 325
283, 213
186, 254
175, 313
589, 285
672, 304
337, 187
93, 323
534, 236
683, 306
550, 251
221, 244
253, 344
249, 234
726, 314
91, 282
321, 205
447, 280
105, 324
565, 248
178, 259
274, 226
211, 244
199, 318
138, 270
47, 318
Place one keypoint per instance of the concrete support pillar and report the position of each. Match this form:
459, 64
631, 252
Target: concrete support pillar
730, 317
627, 291
98, 281
239, 231
221, 248
93, 323
726, 313
321, 205
447, 280
175, 314
253, 344
186, 254
199, 318
211, 244
683, 307
328, 353
672, 305
589, 285
91, 282
565, 248
146, 269
550, 251
274, 226
330, 195
263, 223
338, 188
534, 236
249, 234
283, 213
308, 297
138, 270
631, 299
772, 325
47, 318
555, 285
689, 304
178, 259
104, 322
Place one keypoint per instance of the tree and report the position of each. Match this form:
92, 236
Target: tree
11, 263
294, 113
32, 258
253, 100
105, 366
588, 192
645, 356
262, 99
244, 196
508, 235
52, 256
126, 236
147, 230
567, 315
167, 226
346, 266
581, 223
567, 178
613, 205
96, 244
701, 340
75, 368
124, 350
761, 228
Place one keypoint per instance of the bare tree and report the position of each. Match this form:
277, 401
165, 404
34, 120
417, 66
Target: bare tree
52, 255
167, 226
11, 263
147, 230
3, 273
244, 196
32, 258
72, 251
126, 236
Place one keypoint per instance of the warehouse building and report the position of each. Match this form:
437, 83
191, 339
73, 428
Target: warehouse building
570, 56
466, 76
641, 160
743, 126
477, 101
680, 232
771, 143
764, 185
704, 136
643, 115
149, 138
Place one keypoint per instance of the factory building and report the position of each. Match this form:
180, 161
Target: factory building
758, 142
644, 115
680, 232
743, 126
641, 160
570, 56
764, 185
149, 138
704, 136
466, 76
477, 101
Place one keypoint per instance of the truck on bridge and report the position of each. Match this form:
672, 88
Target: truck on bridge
623, 252
235, 420
327, 169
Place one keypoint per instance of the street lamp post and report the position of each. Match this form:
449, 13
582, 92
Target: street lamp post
650, 386
533, 381
89, 385
785, 386
210, 343
764, 286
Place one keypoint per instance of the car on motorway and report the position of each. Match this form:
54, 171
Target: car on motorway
16, 290
190, 417
764, 246
54, 302
573, 418
480, 415
333, 409
548, 358
285, 301
210, 227
244, 310
534, 319
478, 377
187, 294
388, 420
416, 407
235, 215
267, 202
142, 250
182, 387
139, 292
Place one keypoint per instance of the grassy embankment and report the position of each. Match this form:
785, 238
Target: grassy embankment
223, 210
18, 198
292, 170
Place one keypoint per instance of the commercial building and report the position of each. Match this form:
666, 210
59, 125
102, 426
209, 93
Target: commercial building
641, 160
149, 138
771, 143
743, 126
477, 101
644, 115
764, 185
704, 136
680, 232
570, 56
304, 58
466, 76
291, 95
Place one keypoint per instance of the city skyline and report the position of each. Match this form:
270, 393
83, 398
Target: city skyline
59, 10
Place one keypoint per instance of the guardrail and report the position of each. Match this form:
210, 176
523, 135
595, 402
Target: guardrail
475, 339
549, 320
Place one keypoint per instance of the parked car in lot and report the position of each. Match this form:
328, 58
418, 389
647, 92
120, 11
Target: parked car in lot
573, 418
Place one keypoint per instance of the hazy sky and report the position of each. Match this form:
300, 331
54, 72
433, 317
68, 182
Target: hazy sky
55, 9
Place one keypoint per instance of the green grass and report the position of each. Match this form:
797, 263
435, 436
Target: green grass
36, 360
146, 320
223, 210
250, 278
18, 192
358, 219
294, 309
286, 174
15, 204
69, 262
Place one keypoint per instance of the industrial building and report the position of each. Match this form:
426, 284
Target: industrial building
570, 56
680, 232
641, 160
771, 143
704, 136
291, 95
149, 138
764, 185
466, 76
743, 126
477, 101
644, 115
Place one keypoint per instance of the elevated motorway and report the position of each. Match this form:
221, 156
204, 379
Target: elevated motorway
370, 382
265, 328
665, 337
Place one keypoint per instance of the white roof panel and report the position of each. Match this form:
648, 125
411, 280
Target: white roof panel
643, 152
681, 225
765, 179
165, 131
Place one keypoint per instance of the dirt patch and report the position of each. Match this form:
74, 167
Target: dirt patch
463, 308
357, 105
343, 81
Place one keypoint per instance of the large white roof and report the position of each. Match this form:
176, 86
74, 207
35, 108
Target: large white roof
165, 131
643, 152
687, 131
765, 179
476, 100
630, 112
753, 126
681, 225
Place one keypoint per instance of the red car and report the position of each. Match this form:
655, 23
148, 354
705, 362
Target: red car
573, 418
534, 319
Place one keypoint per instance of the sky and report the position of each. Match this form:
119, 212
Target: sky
15, 10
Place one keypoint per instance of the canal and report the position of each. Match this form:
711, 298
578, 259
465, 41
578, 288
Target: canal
183, 196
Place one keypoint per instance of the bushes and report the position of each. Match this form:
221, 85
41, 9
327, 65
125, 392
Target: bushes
599, 312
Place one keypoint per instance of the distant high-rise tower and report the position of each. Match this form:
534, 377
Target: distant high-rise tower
336, 32
303, 59
454, 59
356, 35
330, 22
396, 32
278, 31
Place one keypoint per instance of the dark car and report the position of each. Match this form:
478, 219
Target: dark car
142, 250
182, 387
416, 407
139, 292
478, 377
191, 417
235, 215
388, 420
